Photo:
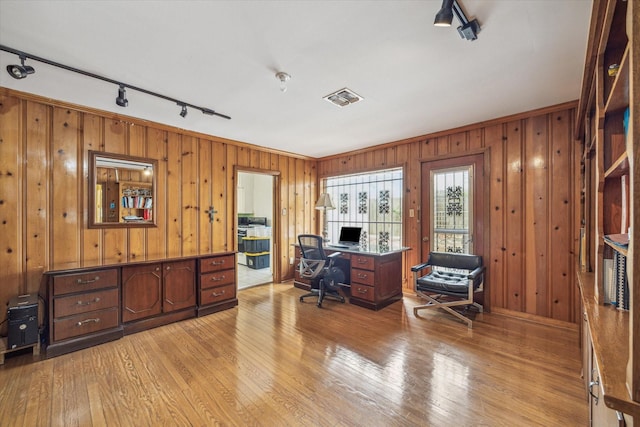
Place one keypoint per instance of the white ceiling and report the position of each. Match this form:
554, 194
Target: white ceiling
415, 78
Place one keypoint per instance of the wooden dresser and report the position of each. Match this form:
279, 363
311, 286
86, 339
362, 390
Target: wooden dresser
89, 306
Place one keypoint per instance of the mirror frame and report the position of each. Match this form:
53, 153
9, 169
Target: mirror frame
93, 176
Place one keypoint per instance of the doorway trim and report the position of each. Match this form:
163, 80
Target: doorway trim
275, 225
484, 172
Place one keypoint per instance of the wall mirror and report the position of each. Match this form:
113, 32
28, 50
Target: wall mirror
122, 190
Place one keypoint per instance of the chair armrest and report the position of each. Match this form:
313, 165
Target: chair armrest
475, 273
334, 254
420, 266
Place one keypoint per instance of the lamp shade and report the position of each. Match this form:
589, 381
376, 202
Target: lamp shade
324, 202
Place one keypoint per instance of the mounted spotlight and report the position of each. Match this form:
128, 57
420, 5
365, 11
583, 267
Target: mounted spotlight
445, 14
20, 71
122, 100
183, 112
468, 30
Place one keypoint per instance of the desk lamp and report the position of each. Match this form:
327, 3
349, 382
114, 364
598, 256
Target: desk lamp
324, 204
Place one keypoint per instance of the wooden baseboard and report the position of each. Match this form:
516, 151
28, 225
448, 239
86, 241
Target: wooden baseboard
535, 319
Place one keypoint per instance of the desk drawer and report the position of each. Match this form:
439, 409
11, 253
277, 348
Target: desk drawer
364, 277
364, 262
82, 282
86, 323
221, 293
217, 278
363, 292
217, 263
90, 301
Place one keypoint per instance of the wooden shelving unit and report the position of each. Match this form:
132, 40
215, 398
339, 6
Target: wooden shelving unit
610, 207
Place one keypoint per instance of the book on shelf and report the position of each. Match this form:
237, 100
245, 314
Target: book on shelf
621, 279
609, 281
618, 240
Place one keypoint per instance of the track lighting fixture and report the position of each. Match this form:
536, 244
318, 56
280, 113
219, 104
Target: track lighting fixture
284, 78
122, 100
20, 71
183, 112
468, 30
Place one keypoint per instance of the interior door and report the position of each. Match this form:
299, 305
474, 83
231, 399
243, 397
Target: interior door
453, 205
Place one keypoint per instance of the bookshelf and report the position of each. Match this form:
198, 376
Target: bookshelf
608, 124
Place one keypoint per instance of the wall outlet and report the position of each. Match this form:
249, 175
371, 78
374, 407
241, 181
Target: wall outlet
290, 260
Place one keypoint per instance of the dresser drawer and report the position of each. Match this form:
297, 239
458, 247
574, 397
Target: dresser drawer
363, 262
86, 323
364, 277
217, 278
217, 263
362, 292
221, 293
82, 282
82, 303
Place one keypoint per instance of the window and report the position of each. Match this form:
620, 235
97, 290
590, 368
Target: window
371, 200
452, 219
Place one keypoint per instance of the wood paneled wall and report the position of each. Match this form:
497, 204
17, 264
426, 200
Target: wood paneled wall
44, 183
531, 182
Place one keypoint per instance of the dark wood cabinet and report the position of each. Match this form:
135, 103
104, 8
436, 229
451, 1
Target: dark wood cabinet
89, 306
151, 292
83, 309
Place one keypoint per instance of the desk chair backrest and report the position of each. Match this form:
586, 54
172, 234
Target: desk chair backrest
313, 257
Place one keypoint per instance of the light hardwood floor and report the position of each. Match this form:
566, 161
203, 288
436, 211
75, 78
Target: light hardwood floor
273, 361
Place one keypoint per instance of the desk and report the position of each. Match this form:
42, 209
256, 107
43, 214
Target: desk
374, 278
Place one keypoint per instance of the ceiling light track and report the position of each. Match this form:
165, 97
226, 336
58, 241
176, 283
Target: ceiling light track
21, 71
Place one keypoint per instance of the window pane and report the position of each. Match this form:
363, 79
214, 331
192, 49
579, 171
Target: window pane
371, 200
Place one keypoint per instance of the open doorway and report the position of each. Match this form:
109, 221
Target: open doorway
255, 207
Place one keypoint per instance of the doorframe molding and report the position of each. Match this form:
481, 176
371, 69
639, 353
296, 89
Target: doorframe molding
486, 220
275, 218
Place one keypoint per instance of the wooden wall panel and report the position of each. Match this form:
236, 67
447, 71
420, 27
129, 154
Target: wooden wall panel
536, 213
173, 195
219, 196
91, 238
36, 196
528, 252
65, 241
157, 141
205, 195
189, 180
115, 245
562, 294
11, 268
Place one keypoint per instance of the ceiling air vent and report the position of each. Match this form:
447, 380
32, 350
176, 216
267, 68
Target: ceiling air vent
343, 97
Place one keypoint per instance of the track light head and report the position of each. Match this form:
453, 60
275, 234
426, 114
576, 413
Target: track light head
122, 100
20, 71
445, 14
183, 112
284, 78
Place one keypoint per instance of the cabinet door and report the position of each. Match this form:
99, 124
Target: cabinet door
179, 285
141, 291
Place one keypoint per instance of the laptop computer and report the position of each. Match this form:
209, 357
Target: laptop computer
349, 238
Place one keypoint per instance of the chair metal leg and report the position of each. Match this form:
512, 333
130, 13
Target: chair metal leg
433, 303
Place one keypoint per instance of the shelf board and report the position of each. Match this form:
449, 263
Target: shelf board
617, 242
609, 330
619, 167
619, 95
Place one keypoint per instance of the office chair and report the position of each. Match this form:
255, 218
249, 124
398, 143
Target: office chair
452, 281
316, 266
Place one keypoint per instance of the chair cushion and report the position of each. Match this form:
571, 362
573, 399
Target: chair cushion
445, 282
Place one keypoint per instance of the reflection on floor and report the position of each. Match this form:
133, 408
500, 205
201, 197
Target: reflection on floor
248, 277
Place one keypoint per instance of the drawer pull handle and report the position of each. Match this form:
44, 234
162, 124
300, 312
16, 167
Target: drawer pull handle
215, 294
96, 320
362, 261
87, 282
217, 279
217, 262
362, 276
93, 301
362, 291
